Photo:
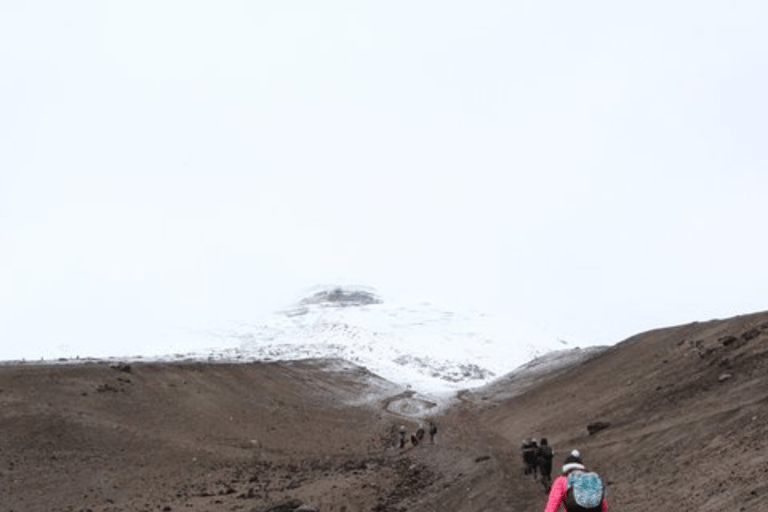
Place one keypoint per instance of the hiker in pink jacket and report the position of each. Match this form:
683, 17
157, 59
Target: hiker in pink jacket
559, 495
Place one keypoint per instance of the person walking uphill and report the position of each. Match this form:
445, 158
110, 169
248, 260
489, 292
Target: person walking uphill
420, 432
418, 437
544, 462
529, 449
432, 432
577, 489
401, 436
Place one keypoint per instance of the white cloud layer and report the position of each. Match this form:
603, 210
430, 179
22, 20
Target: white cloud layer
596, 168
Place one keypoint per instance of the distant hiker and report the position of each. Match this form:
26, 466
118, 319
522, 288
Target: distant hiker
525, 448
420, 432
535, 459
414, 440
544, 462
432, 432
577, 489
401, 436
530, 450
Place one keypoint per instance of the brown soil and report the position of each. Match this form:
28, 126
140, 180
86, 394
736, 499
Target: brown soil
686, 409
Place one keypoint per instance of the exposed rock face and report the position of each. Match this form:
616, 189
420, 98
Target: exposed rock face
342, 298
288, 506
121, 367
445, 370
596, 426
306, 508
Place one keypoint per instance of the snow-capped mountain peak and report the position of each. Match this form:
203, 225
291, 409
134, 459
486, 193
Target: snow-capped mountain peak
429, 348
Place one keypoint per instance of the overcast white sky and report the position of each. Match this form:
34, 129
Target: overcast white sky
596, 167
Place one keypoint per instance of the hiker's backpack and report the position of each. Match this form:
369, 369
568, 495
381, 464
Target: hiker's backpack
585, 492
433, 429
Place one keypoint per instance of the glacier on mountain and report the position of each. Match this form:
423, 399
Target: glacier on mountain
415, 344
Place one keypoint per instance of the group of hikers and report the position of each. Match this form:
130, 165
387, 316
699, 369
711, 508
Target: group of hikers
537, 460
417, 437
577, 489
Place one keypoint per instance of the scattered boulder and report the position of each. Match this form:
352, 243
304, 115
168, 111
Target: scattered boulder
727, 340
306, 508
121, 367
288, 506
724, 377
483, 458
750, 334
106, 388
596, 426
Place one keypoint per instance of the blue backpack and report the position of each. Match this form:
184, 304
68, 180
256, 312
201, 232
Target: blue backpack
585, 492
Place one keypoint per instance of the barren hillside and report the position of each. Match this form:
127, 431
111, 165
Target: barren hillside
685, 409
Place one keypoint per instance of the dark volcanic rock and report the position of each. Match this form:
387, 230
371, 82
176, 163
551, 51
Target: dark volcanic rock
596, 426
341, 297
750, 334
288, 506
121, 367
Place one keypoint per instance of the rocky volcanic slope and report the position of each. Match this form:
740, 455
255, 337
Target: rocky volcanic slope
683, 412
686, 410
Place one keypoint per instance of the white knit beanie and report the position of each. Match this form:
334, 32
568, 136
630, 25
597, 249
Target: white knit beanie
573, 461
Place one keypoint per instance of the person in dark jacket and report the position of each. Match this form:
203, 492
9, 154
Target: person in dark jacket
432, 432
401, 436
544, 462
530, 449
420, 432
